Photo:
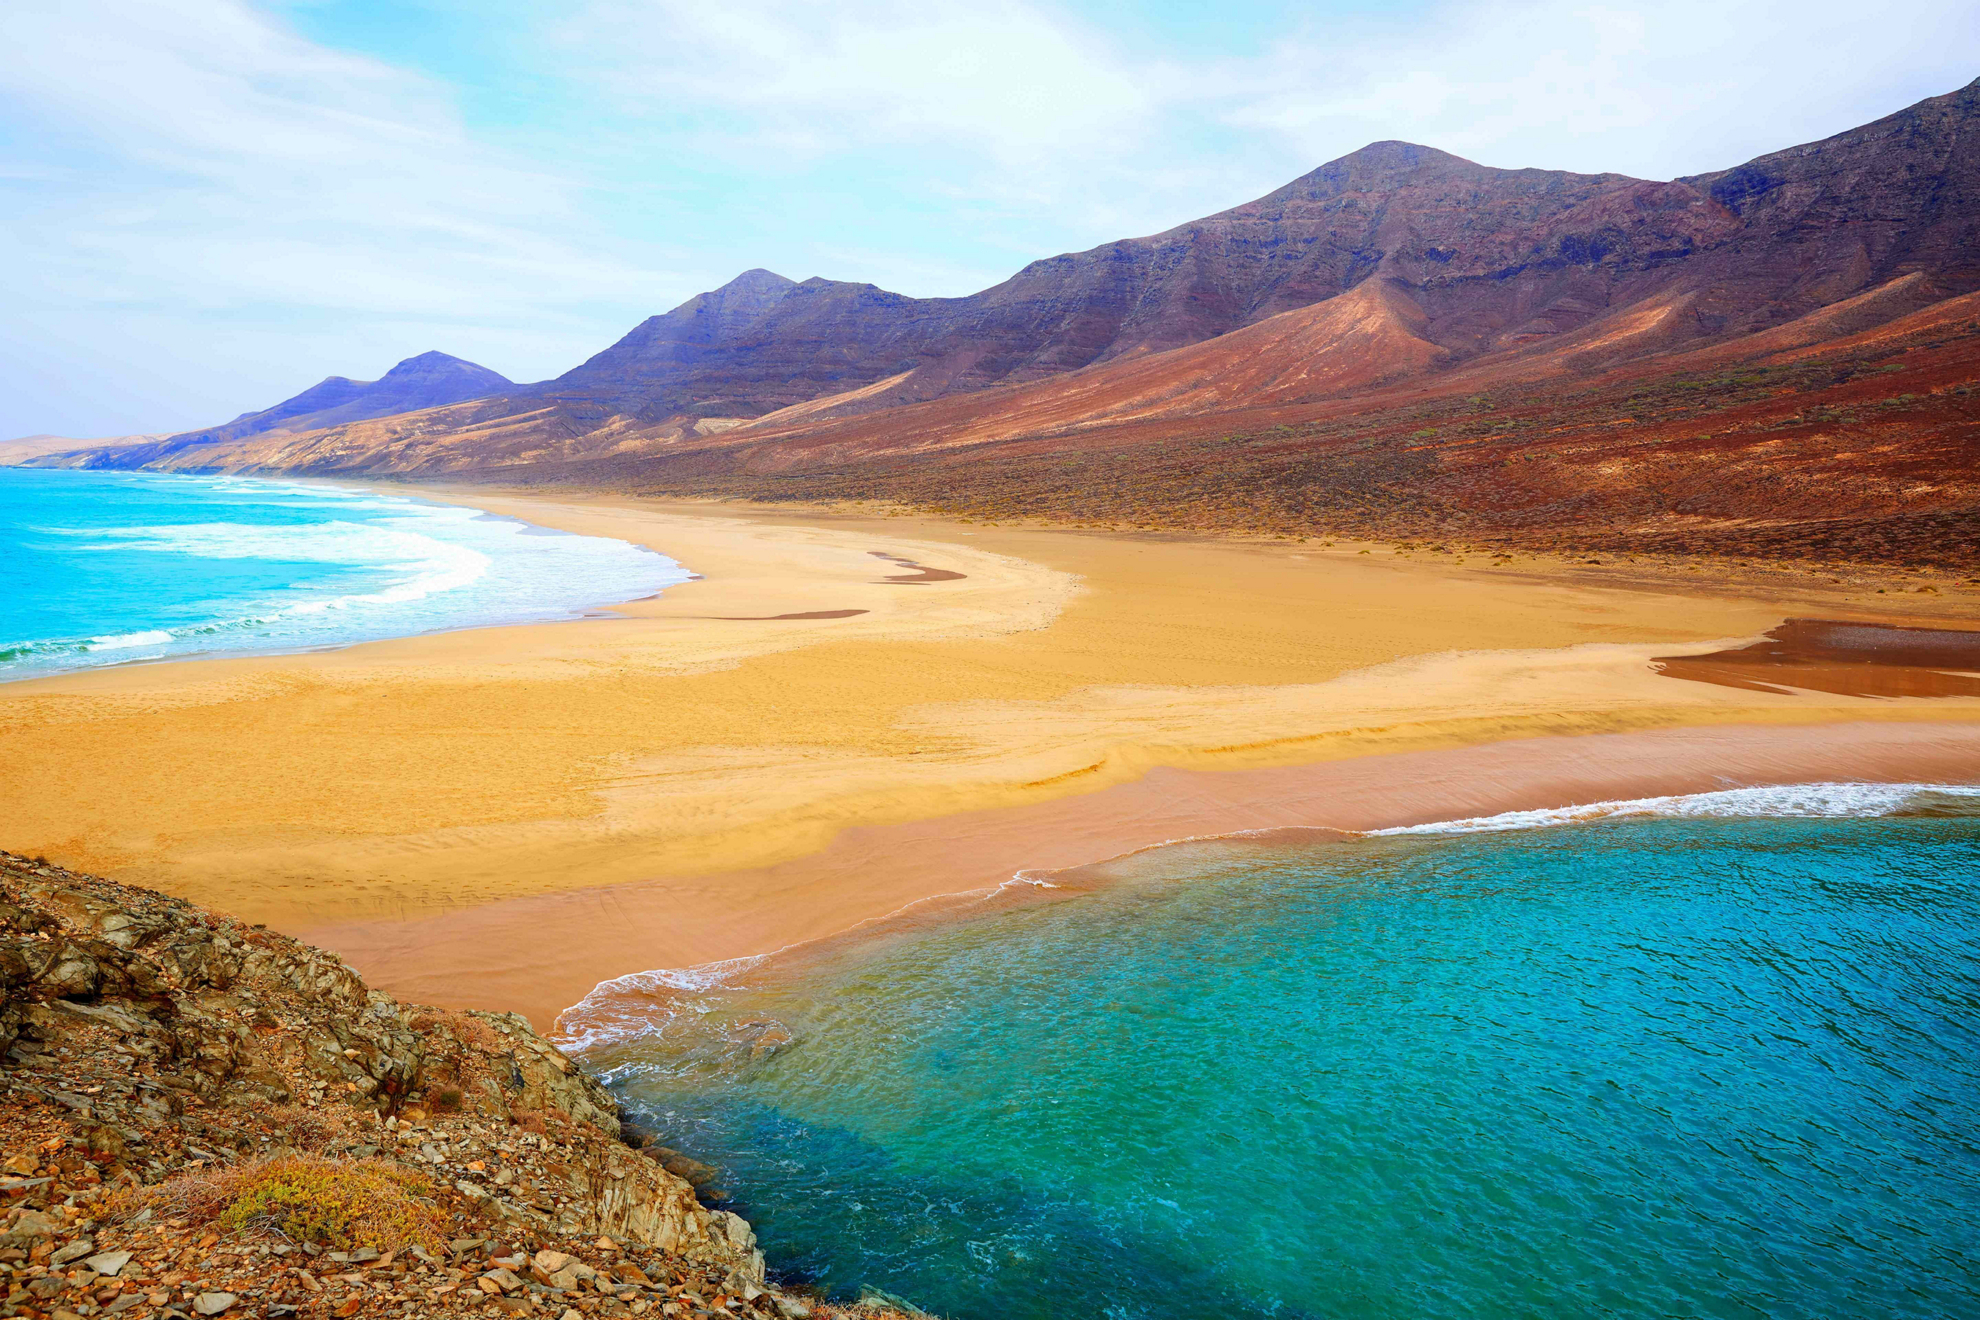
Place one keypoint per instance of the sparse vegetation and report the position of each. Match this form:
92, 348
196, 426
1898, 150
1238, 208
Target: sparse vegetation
306, 1198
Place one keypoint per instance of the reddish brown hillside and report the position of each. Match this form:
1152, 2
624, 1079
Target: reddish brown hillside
1862, 448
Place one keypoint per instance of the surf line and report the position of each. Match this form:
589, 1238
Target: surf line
621, 1008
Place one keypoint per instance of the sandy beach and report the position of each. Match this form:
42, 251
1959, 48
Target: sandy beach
847, 713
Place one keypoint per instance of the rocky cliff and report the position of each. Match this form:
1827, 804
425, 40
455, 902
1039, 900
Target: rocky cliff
201, 1117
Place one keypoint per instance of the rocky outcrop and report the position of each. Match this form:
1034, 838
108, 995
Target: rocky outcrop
1825, 220
153, 1051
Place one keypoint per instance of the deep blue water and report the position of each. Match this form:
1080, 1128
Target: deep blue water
1654, 1066
109, 567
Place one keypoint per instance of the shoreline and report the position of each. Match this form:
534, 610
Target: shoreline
809, 693
518, 953
618, 1011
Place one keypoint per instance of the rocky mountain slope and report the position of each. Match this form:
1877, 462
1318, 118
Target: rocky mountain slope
1853, 449
1397, 281
203, 1118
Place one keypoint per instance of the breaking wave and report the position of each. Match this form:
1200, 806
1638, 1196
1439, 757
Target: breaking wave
113, 568
1804, 800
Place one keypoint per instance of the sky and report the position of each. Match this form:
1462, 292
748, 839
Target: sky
213, 204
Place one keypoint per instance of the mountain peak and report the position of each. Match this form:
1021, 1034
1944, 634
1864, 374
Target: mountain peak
427, 360
749, 294
434, 364
1397, 151
426, 380
1390, 164
1377, 167
758, 278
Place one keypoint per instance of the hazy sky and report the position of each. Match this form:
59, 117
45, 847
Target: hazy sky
214, 203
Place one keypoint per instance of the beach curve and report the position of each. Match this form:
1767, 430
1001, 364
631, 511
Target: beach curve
425, 805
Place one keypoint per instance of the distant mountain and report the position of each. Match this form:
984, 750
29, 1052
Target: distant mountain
15, 452
1398, 281
427, 381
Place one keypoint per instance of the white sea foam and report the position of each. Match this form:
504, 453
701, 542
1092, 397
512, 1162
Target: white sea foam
377, 566
622, 1008
1814, 800
155, 637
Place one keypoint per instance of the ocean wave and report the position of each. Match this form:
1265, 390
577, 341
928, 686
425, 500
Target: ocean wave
338, 541
346, 567
153, 637
1833, 799
627, 1007
422, 565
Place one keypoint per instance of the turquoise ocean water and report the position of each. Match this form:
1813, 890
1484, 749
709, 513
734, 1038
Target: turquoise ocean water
1714, 1056
101, 568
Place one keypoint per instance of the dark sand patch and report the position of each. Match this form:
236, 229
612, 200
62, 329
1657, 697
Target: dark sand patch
922, 573
803, 614
1851, 659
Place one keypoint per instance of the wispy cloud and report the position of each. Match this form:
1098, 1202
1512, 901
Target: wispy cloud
180, 159
229, 162
1680, 87
1013, 112
1009, 82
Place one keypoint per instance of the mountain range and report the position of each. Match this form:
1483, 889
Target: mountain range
1250, 369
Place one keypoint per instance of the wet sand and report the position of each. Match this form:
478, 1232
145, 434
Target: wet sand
1853, 659
514, 955
395, 799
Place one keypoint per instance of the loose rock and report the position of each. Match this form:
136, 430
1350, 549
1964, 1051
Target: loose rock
109, 1262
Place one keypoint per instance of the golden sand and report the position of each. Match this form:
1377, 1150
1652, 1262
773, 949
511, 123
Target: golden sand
699, 739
